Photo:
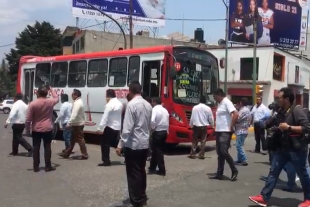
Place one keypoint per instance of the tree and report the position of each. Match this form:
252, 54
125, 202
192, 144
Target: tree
7, 86
41, 39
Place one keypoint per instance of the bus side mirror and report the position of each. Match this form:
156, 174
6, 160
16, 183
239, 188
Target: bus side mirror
173, 72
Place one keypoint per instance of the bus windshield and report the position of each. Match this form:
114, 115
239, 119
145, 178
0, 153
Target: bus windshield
195, 78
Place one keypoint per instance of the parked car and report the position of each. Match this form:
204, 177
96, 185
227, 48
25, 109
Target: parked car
6, 105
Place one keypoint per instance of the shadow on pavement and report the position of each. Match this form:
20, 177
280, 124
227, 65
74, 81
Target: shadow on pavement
43, 168
265, 163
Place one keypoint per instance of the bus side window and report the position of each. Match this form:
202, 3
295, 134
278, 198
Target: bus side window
43, 74
59, 74
77, 74
133, 69
118, 72
97, 73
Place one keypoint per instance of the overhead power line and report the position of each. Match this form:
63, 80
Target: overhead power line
7, 45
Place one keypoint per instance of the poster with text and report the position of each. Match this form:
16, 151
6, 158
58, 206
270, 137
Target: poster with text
282, 23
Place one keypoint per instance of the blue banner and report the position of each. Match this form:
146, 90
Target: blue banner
144, 12
282, 23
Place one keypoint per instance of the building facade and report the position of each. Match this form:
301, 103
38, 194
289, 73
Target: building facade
275, 69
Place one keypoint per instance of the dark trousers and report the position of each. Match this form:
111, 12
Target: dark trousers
238, 38
136, 175
158, 143
47, 140
259, 132
77, 136
279, 159
18, 138
222, 149
199, 134
108, 139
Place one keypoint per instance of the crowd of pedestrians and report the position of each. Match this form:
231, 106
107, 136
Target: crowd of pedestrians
138, 130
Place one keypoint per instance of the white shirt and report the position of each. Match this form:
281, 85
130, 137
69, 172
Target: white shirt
18, 113
160, 118
64, 113
259, 113
223, 115
112, 116
266, 16
77, 117
201, 116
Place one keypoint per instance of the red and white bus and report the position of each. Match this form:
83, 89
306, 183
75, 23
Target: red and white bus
179, 75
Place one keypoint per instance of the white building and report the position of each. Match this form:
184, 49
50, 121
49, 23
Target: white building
275, 69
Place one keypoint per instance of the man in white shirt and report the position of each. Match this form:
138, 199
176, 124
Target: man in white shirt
76, 122
201, 118
63, 118
226, 118
17, 118
160, 127
135, 139
110, 125
260, 113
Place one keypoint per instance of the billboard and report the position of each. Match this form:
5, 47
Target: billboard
144, 12
282, 23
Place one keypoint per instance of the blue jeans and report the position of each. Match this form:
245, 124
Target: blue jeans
280, 158
66, 135
241, 156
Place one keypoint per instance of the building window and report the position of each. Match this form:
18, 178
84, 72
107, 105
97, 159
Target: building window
77, 46
82, 42
59, 74
133, 69
43, 74
118, 72
246, 68
97, 73
73, 49
77, 74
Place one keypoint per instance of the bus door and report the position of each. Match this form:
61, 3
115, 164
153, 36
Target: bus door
151, 74
28, 84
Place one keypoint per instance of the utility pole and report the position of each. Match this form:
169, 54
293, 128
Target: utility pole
130, 25
225, 2
254, 75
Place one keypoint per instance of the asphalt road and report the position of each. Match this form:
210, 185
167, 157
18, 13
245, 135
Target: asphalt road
83, 184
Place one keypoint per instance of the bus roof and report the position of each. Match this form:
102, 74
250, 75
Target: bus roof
125, 52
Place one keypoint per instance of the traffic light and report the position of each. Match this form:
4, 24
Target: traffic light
259, 88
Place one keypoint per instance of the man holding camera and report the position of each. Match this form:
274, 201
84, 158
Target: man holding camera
291, 146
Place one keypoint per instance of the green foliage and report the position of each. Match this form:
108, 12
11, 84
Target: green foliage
7, 86
41, 39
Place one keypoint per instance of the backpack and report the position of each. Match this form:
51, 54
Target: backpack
306, 136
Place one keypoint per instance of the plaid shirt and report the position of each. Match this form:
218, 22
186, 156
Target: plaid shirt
243, 121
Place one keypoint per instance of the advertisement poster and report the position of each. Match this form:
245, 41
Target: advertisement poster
282, 23
144, 12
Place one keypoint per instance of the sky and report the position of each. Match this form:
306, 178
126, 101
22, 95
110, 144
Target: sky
16, 15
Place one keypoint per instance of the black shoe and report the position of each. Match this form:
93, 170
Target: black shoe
191, 156
13, 154
234, 175
36, 169
241, 163
49, 169
29, 153
216, 177
104, 164
201, 157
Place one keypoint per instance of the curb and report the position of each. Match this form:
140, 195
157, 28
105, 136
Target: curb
251, 129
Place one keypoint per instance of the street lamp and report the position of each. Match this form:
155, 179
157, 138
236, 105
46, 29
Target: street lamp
114, 20
225, 2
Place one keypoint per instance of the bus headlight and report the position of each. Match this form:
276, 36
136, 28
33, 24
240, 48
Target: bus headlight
174, 115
